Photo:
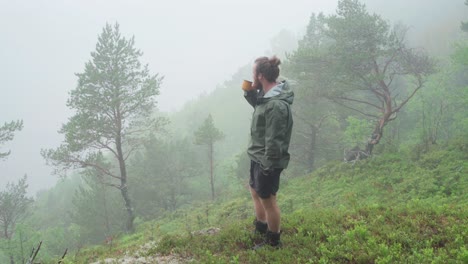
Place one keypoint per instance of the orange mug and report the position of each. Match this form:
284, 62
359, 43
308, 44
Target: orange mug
247, 86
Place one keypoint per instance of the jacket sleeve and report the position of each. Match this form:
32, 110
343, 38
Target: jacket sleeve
276, 126
251, 97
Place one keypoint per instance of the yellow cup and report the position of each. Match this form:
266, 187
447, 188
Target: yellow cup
247, 86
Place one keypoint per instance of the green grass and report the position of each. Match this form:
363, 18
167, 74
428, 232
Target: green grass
388, 209
413, 233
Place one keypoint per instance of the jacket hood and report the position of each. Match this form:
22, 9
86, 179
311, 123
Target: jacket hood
282, 91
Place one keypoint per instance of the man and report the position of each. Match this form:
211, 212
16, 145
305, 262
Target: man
268, 150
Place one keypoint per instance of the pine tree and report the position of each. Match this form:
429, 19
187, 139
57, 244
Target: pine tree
7, 133
207, 135
113, 103
14, 205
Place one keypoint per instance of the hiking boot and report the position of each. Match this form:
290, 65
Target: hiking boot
260, 227
271, 239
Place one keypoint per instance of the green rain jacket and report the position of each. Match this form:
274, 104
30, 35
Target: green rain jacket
271, 126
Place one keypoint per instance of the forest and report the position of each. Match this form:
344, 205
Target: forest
378, 170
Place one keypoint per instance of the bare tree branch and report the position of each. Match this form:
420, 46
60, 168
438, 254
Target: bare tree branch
93, 165
359, 111
420, 84
63, 256
135, 147
34, 254
359, 101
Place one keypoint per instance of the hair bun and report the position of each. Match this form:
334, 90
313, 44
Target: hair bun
268, 67
274, 61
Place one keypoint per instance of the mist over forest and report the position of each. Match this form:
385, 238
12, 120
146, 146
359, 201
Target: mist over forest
125, 122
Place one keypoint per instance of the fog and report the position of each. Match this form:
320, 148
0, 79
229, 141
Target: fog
196, 45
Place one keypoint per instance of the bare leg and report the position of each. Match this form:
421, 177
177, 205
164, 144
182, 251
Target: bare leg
272, 212
259, 210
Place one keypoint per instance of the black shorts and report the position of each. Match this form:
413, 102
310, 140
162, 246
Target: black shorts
263, 182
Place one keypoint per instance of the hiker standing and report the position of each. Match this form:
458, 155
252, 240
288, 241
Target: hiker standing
268, 149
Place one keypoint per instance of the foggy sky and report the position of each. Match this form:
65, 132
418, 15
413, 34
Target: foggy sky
195, 44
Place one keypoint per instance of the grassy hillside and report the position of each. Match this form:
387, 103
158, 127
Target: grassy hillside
388, 209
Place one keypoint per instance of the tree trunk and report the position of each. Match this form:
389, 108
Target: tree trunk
106, 213
211, 172
123, 174
124, 187
21, 247
173, 191
387, 113
5, 230
128, 206
376, 135
173, 201
12, 260
313, 138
